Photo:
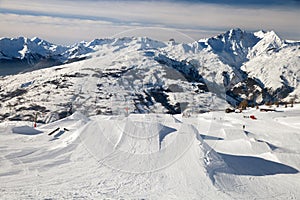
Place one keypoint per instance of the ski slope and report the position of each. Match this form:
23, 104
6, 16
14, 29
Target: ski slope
154, 156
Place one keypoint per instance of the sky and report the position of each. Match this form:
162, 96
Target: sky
69, 21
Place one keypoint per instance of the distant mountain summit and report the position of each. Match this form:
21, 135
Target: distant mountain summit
138, 74
233, 46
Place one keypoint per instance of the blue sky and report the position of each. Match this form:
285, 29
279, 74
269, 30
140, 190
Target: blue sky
66, 21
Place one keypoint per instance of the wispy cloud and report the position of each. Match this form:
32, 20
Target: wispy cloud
252, 3
68, 21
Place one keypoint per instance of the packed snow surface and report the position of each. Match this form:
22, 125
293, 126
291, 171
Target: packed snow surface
154, 156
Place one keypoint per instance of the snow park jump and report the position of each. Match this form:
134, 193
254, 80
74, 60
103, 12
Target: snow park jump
169, 149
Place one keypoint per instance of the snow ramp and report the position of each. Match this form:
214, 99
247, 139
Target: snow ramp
143, 146
174, 154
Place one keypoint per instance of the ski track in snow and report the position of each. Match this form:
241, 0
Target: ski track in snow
109, 157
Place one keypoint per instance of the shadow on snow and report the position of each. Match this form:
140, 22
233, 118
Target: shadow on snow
254, 166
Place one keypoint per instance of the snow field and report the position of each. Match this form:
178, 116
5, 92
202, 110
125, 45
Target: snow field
149, 156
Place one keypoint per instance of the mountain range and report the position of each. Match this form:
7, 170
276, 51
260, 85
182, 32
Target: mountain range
141, 75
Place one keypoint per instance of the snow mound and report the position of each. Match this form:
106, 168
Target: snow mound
73, 121
144, 146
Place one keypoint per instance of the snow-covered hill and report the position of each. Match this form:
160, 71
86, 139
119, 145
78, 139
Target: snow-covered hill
124, 75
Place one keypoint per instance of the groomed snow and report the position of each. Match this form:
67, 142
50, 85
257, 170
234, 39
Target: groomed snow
154, 156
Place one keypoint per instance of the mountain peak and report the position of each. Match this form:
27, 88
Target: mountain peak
271, 37
11, 47
263, 33
36, 39
269, 40
233, 46
235, 32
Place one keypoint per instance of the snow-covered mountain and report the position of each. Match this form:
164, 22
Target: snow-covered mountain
23, 54
122, 75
